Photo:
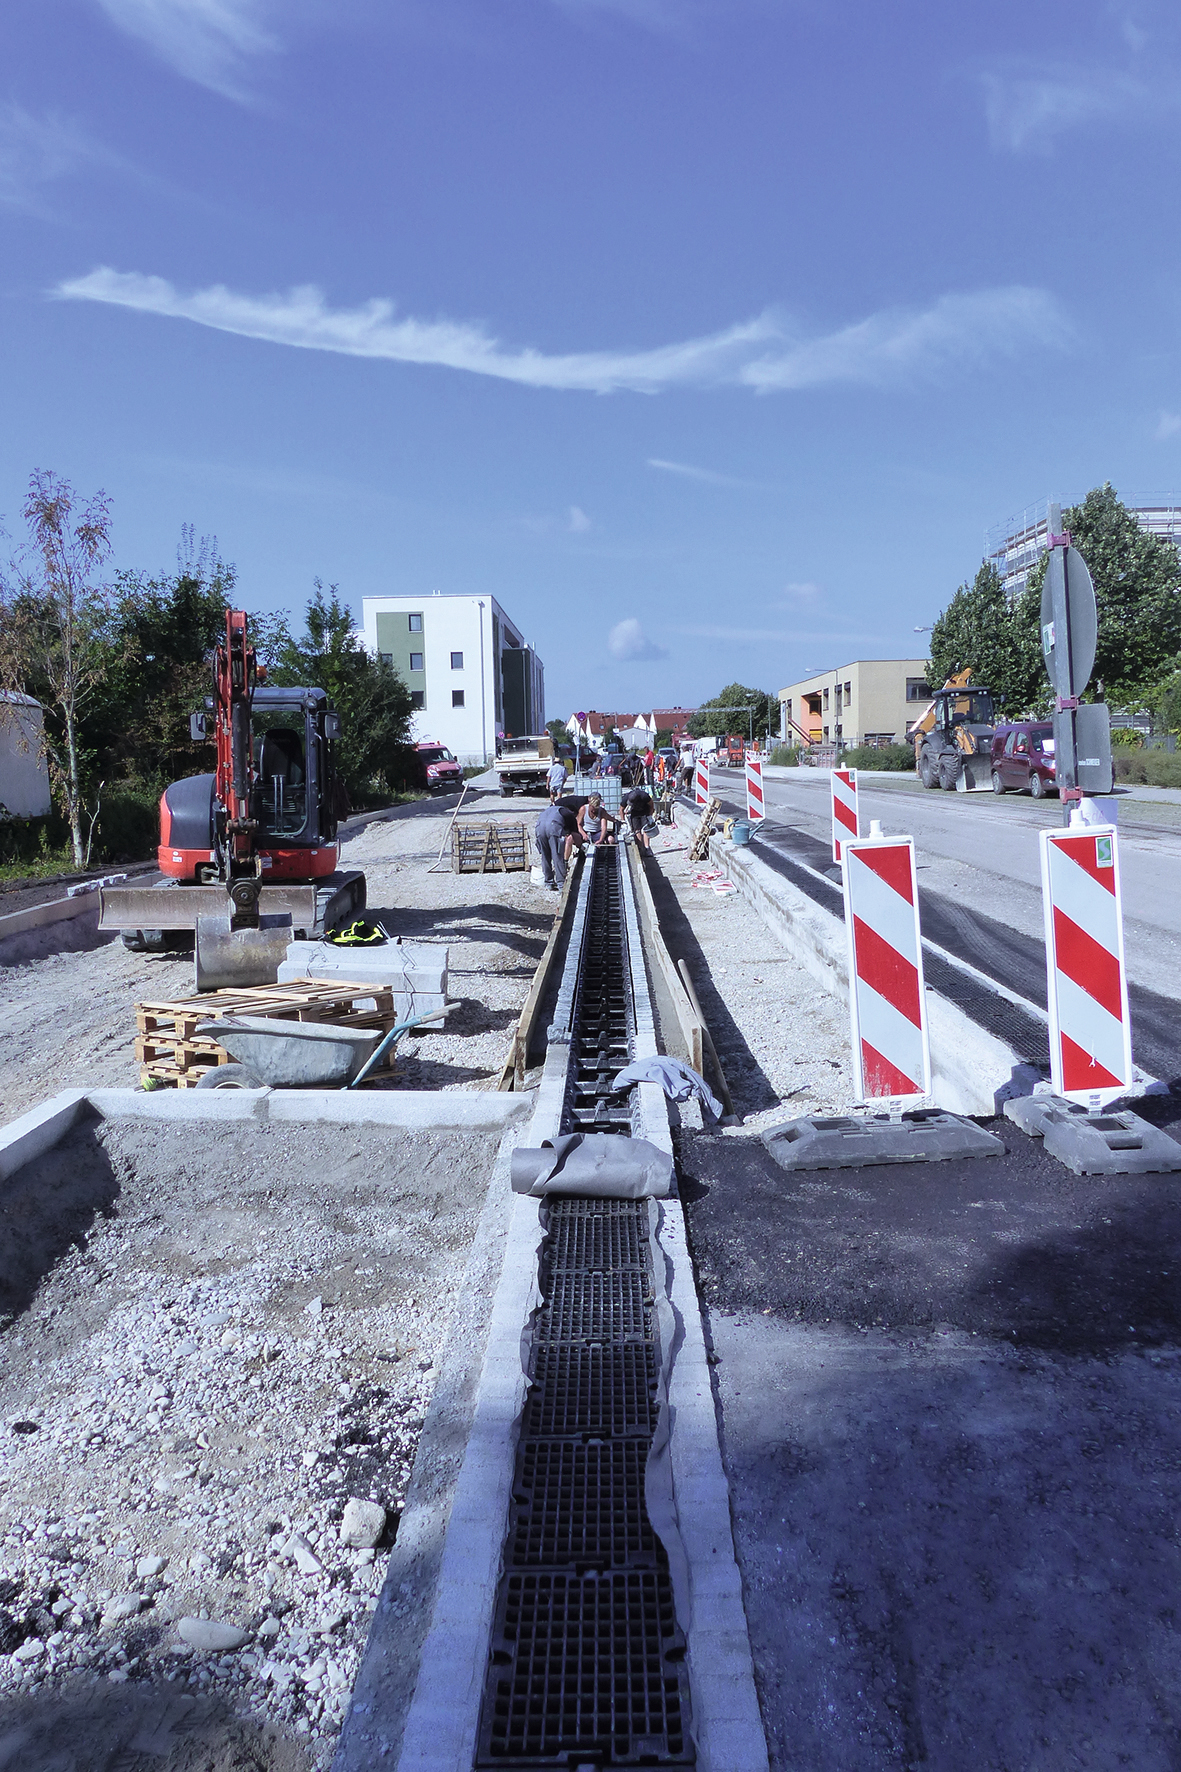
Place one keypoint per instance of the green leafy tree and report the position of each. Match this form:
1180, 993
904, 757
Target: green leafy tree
1137, 579
161, 635
711, 722
557, 731
1166, 703
372, 700
54, 617
998, 642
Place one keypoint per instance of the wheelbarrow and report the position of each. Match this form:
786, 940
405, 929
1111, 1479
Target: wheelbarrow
271, 1053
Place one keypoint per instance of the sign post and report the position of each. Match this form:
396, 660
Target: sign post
1082, 730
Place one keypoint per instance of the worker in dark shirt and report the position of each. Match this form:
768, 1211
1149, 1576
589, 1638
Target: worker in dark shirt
554, 836
638, 807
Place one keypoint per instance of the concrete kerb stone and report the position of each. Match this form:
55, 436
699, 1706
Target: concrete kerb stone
972, 1071
414, 1109
36, 1132
57, 910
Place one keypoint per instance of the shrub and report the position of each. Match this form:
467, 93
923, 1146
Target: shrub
887, 756
784, 756
1155, 769
128, 827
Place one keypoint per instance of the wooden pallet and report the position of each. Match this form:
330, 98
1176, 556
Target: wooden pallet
169, 1050
699, 847
489, 848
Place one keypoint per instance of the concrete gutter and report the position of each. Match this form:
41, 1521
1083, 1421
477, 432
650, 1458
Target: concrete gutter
57, 910
972, 1071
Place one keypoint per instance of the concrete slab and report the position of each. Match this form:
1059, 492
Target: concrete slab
39, 1130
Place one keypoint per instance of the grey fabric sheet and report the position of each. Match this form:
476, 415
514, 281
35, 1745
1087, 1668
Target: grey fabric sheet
678, 1080
596, 1163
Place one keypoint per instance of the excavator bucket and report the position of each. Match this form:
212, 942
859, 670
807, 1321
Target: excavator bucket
975, 777
229, 959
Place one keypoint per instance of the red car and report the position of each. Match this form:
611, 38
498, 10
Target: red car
441, 774
1023, 758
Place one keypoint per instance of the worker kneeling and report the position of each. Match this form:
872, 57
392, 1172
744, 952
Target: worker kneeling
553, 835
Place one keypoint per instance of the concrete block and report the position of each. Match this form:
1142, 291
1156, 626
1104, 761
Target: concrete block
415, 1109
39, 1130
1117, 1142
845, 1141
408, 966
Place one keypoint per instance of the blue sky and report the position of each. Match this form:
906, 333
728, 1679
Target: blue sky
708, 335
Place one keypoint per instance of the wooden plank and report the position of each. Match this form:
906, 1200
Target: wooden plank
528, 1017
683, 967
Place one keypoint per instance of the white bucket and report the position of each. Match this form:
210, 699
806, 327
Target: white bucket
536, 874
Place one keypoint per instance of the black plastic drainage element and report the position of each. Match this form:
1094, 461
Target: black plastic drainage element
587, 1664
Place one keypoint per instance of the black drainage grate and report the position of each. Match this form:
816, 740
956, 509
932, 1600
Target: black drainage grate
587, 1663
582, 1505
595, 1673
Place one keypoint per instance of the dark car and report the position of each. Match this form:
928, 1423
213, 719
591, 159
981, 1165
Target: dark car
1023, 758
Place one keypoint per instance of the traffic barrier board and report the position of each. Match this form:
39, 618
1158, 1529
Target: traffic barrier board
755, 804
701, 779
845, 816
1090, 1031
887, 1000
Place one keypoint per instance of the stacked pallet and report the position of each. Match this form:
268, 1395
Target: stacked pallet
486, 847
170, 1051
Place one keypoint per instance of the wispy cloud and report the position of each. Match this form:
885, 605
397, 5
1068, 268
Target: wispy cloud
37, 151
706, 475
208, 41
897, 345
577, 521
628, 642
1027, 112
800, 595
1168, 424
778, 636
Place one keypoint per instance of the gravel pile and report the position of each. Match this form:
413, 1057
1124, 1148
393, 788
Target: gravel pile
208, 1416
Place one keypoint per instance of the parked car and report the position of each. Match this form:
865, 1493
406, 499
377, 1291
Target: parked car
439, 773
1023, 758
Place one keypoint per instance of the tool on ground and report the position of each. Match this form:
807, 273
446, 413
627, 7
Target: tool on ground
953, 737
249, 853
846, 819
699, 848
436, 866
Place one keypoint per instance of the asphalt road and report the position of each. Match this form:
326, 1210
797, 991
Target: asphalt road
980, 897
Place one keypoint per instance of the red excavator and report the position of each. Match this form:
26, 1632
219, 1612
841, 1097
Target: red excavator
249, 854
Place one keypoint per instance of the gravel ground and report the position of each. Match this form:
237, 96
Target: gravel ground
783, 1042
214, 1342
67, 1019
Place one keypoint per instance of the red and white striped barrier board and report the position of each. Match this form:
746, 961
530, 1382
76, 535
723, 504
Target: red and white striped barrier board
844, 809
701, 779
1090, 1032
888, 1007
755, 804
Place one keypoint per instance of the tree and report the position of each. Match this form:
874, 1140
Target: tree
557, 731
372, 700
162, 632
1137, 579
711, 722
1166, 703
1000, 643
53, 635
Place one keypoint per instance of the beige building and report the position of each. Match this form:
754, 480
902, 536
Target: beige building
871, 701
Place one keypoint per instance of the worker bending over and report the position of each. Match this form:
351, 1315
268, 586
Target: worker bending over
554, 835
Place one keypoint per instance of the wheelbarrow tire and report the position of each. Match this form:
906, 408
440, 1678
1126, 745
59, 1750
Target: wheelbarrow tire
231, 1076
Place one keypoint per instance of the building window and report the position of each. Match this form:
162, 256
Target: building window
415, 622
418, 698
826, 733
416, 661
848, 695
457, 661
457, 698
826, 707
917, 689
386, 657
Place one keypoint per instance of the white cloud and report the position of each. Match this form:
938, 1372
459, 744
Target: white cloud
35, 152
578, 522
1030, 111
800, 595
891, 346
707, 475
207, 41
1167, 426
900, 343
628, 642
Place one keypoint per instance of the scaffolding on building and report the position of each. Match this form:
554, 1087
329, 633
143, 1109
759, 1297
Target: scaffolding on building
1015, 545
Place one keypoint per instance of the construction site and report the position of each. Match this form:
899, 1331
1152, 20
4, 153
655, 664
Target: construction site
451, 1324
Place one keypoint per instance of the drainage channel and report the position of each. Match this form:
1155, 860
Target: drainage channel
586, 1664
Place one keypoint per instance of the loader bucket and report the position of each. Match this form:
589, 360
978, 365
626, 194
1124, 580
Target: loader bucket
228, 959
975, 776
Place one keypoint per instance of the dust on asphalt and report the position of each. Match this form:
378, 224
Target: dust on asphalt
950, 1398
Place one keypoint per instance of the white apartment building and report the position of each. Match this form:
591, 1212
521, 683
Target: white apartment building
470, 674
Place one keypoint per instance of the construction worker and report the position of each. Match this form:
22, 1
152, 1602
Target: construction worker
595, 823
553, 835
555, 779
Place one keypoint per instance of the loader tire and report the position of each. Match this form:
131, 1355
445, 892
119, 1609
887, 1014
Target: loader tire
927, 774
949, 771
